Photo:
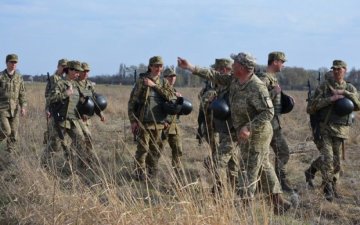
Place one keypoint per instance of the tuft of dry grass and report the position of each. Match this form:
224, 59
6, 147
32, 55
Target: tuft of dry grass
32, 195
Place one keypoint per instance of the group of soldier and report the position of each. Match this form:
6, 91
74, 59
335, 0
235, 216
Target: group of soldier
70, 102
241, 111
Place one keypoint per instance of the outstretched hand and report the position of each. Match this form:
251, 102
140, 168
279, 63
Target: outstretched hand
184, 64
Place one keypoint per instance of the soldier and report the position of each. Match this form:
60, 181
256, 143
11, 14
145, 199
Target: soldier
12, 101
51, 132
172, 130
334, 125
224, 157
251, 112
147, 117
86, 89
52, 80
278, 142
63, 100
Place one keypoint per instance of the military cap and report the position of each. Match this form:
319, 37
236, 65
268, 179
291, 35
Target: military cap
62, 62
277, 56
223, 62
12, 57
244, 59
169, 72
85, 66
156, 60
75, 65
338, 64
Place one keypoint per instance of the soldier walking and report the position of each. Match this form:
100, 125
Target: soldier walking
12, 102
278, 142
331, 102
223, 163
86, 89
51, 136
63, 101
172, 129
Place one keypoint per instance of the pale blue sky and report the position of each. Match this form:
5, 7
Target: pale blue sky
105, 33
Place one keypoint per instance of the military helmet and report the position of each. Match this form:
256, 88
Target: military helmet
86, 106
343, 106
220, 109
186, 106
100, 103
287, 103
173, 107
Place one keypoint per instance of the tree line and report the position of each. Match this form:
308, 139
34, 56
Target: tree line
290, 78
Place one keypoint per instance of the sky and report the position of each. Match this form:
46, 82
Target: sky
105, 33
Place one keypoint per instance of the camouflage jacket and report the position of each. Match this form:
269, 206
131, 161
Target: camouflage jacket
321, 103
12, 93
139, 96
50, 85
250, 102
271, 82
65, 104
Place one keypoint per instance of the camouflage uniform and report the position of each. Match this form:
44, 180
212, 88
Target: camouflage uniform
145, 108
205, 118
278, 141
173, 132
250, 106
223, 163
51, 133
12, 99
87, 89
333, 128
67, 118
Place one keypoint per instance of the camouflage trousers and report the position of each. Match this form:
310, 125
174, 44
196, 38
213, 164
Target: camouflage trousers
329, 162
174, 141
255, 166
224, 164
85, 127
282, 152
148, 150
75, 151
53, 142
9, 129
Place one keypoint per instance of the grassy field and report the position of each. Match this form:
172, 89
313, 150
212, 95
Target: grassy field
31, 195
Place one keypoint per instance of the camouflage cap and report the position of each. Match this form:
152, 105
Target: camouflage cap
244, 59
12, 57
85, 66
338, 64
62, 62
75, 65
169, 72
156, 60
277, 56
223, 62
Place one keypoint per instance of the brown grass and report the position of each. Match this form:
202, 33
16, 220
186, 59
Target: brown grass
30, 195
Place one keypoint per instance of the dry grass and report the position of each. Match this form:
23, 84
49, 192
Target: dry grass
30, 195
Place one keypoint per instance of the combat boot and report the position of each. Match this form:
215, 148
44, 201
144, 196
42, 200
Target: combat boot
280, 204
285, 186
284, 182
309, 176
329, 192
139, 174
335, 191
